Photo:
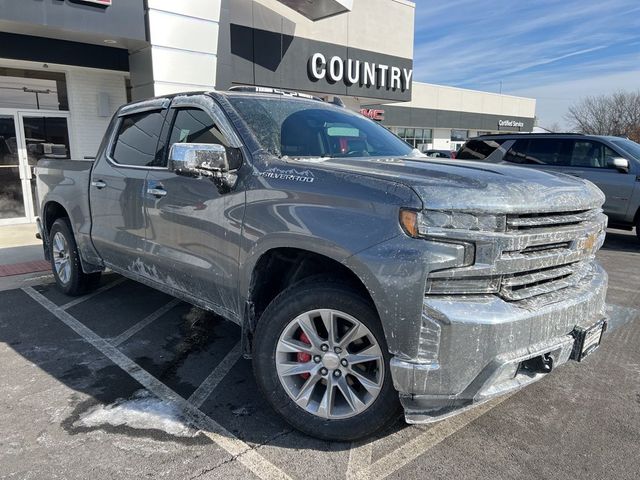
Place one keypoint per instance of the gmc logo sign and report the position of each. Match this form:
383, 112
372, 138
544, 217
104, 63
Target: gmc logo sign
373, 114
104, 3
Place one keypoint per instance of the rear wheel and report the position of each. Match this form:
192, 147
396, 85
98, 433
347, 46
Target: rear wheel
638, 227
321, 360
65, 261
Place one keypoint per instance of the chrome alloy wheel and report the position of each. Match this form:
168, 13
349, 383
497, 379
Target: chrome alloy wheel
330, 364
61, 258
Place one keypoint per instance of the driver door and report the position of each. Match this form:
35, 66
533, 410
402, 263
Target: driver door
193, 234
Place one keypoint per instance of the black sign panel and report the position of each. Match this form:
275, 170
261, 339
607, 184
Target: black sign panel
264, 58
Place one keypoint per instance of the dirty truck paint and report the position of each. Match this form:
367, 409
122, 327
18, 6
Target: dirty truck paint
450, 350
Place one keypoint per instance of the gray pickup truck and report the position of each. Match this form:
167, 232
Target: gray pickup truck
359, 272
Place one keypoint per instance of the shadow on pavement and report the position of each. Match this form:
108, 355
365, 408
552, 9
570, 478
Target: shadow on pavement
621, 241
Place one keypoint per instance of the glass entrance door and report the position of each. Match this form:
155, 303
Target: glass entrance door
25, 138
13, 207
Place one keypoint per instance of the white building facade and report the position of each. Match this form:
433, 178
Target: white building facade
66, 66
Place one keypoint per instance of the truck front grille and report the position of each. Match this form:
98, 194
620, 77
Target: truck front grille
537, 255
519, 286
531, 221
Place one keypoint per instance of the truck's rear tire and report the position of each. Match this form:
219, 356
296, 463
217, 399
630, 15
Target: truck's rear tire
638, 227
320, 359
65, 261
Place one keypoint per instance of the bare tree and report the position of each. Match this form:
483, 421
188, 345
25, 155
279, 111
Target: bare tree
555, 127
614, 114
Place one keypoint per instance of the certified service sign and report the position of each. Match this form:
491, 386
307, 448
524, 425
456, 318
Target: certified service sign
104, 3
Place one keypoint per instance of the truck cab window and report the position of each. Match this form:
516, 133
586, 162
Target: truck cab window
137, 139
192, 125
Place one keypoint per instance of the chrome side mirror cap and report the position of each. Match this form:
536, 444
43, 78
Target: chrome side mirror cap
202, 160
198, 159
619, 163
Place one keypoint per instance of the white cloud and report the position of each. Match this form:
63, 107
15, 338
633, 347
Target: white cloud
480, 42
556, 51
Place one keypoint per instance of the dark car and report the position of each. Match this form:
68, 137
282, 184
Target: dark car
440, 153
612, 163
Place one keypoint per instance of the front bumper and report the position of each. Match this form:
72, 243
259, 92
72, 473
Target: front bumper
472, 347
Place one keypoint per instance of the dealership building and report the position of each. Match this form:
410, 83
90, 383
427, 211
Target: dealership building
66, 65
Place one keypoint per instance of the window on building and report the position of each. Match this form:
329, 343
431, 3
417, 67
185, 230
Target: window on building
484, 132
416, 137
33, 89
459, 135
137, 140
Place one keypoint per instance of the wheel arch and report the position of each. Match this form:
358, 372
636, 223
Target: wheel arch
280, 267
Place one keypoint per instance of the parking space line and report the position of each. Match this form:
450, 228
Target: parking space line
623, 289
424, 442
210, 383
359, 459
152, 317
104, 288
241, 451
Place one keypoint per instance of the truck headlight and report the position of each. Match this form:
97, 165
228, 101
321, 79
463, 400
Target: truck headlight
418, 224
468, 286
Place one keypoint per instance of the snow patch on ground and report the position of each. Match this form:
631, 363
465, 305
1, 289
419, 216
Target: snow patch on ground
142, 411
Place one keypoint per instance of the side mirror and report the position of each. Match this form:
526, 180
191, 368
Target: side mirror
619, 163
198, 159
202, 160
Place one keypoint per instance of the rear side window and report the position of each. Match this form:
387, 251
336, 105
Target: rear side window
549, 151
478, 149
137, 140
517, 153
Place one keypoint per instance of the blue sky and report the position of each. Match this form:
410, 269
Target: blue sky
554, 51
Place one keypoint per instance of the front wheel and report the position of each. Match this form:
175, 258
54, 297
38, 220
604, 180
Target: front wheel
65, 261
321, 360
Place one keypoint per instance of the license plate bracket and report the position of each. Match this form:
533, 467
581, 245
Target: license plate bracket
587, 340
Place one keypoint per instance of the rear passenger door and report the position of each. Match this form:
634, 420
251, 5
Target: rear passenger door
590, 160
117, 187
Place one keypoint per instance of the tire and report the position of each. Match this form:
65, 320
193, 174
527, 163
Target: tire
65, 261
341, 420
638, 227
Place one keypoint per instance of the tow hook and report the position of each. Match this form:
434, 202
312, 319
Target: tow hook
547, 363
540, 364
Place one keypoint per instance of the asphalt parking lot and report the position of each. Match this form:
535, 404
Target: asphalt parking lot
129, 382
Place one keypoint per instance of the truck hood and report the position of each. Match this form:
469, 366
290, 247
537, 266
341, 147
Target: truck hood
474, 186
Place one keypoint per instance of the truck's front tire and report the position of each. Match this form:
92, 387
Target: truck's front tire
65, 261
321, 360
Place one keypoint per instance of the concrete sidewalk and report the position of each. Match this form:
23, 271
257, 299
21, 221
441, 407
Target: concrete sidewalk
18, 235
21, 256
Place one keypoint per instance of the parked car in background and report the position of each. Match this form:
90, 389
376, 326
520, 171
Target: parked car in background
612, 163
440, 153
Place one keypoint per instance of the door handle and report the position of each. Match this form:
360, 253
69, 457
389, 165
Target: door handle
157, 192
99, 184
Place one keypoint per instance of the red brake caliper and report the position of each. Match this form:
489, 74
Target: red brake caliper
304, 357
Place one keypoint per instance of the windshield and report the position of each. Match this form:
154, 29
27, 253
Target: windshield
304, 128
629, 146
